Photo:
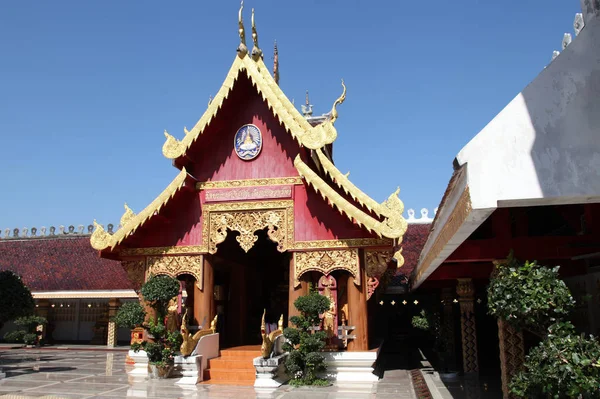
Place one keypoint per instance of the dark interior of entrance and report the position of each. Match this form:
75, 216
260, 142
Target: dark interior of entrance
246, 284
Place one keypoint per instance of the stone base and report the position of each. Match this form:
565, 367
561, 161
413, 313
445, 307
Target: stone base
270, 372
140, 364
188, 368
357, 367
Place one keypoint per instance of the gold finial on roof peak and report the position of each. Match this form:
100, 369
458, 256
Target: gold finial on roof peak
242, 49
256, 51
340, 100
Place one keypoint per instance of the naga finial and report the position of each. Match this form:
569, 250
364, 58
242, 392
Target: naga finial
340, 100
256, 51
242, 49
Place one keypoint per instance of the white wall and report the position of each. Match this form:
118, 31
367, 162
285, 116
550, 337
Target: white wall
546, 143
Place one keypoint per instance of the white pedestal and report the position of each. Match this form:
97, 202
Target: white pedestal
189, 369
270, 372
140, 366
354, 367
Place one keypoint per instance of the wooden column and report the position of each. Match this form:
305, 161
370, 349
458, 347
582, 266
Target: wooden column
466, 293
295, 292
113, 307
204, 304
512, 353
357, 314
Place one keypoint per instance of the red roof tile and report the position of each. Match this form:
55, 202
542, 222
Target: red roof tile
61, 264
412, 244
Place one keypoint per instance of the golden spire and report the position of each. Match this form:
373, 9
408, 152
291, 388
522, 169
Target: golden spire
242, 49
340, 100
276, 63
256, 51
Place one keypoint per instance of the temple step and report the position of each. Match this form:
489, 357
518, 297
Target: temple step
234, 366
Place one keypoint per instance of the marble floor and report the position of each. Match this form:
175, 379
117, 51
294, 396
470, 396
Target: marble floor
70, 373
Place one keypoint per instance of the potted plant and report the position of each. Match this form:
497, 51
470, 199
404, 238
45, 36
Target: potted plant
162, 344
304, 343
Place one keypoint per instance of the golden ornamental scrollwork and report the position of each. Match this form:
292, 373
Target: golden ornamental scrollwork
100, 238
344, 243
127, 216
326, 262
324, 133
136, 270
394, 224
247, 224
273, 181
376, 262
172, 148
247, 218
176, 265
174, 250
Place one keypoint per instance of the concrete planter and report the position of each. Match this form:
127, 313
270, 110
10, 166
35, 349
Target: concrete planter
159, 372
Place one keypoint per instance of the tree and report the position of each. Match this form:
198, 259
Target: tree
304, 343
158, 291
533, 297
16, 299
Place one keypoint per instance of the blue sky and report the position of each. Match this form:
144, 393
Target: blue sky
87, 89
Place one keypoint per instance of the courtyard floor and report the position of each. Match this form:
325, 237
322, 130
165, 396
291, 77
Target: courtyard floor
70, 373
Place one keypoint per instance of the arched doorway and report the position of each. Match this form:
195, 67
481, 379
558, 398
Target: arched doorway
245, 284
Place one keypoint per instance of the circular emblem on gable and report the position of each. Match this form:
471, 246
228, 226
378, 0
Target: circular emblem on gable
247, 142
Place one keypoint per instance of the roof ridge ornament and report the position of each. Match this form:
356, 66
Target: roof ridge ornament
256, 51
340, 100
242, 49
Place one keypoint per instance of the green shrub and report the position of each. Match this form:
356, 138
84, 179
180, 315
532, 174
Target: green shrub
528, 295
16, 299
303, 343
14, 337
30, 323
130, 315
158, 291
30, 338
421, 321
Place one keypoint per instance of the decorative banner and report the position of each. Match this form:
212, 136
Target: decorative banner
248, 193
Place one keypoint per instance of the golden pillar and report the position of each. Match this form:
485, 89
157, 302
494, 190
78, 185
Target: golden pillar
468, 327
113, 307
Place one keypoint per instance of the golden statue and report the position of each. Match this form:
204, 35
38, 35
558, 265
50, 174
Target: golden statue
269, 339
173, 318
190, 341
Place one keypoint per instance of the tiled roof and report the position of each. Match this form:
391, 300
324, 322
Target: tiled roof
61, 264
412, 244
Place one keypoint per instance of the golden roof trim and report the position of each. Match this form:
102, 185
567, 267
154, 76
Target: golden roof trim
291, 119
269, 181
392, 227
345, 184
343, 243
100, 239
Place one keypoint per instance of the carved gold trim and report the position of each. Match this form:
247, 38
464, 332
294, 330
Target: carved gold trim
344, 243
376, 262
457, 218
393, 226
174, 250
278, 181
247, 218
100, 239
135, 270
326, 262
176, 265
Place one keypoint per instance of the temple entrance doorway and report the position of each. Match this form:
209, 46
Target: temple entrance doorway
247, 283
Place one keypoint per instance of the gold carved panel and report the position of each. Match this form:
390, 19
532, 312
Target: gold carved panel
135, 270
176, 265
247, 218
326, 262
376, 262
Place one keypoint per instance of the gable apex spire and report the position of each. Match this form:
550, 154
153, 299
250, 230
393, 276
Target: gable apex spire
242, 48
256, 51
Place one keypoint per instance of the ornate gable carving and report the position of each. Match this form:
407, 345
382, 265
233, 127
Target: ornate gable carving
326, 262
176, 265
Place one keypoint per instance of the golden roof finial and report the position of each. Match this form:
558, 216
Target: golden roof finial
242, 49
340, 100
256, 51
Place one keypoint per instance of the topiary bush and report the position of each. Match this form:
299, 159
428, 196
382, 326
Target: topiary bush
533, 297
528, 295
130, 315
565, 364
158, 291
304, 343
14, 337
